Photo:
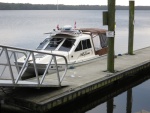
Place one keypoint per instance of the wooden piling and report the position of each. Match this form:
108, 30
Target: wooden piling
111, 28
131, 27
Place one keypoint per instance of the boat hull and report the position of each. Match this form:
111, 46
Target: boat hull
30, 71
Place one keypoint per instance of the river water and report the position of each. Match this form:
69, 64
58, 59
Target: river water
26, 29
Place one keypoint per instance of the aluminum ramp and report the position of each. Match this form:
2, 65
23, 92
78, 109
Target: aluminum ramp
10, 74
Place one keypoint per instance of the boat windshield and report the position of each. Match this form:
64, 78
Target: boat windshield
53, 43
42, 44
67, 45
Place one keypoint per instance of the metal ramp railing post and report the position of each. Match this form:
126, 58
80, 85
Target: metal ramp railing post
16, 63
42, 79
9, 65
1, 51
6, 65
35, 69
59, 83
3, 70
24, 67
61, 79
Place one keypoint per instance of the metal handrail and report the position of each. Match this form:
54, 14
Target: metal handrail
15, 50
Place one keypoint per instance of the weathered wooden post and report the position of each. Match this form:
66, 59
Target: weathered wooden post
111, 35
131, 27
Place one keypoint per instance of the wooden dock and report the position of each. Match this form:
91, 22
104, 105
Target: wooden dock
80, 81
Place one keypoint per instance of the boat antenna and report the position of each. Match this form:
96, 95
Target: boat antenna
58, 18
57, 5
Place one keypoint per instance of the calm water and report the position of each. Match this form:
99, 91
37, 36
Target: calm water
26, 29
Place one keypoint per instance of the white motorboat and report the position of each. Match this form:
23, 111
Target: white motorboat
79, 46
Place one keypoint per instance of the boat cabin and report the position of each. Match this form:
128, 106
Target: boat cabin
79, 46
76, 45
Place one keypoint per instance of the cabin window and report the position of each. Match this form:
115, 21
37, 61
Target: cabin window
53, 44
79, 47
67, 45
84, 44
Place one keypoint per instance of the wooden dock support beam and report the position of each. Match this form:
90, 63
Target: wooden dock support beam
111, 28
131, 27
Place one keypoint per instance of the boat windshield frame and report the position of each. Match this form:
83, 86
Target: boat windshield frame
43, 44
57, 44
54, 43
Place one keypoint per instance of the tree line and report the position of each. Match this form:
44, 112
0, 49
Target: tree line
21, 6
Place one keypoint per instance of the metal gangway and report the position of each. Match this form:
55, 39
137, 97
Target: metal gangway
10, 74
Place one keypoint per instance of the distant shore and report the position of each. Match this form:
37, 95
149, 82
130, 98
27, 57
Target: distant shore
20, 6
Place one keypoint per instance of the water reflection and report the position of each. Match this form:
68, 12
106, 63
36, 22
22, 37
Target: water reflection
110, 104
108, 95
129, 101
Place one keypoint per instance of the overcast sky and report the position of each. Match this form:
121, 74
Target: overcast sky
78, 2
